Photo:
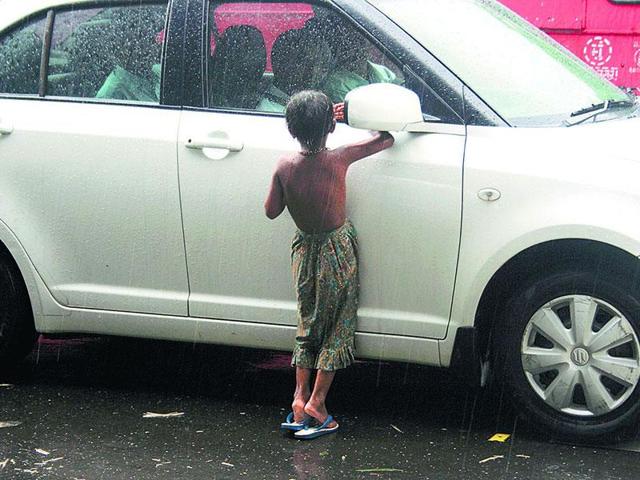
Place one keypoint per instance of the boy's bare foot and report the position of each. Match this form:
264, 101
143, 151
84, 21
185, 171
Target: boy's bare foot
318, 412
298, 408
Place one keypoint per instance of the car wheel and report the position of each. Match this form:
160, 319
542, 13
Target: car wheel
17, 332
570, 351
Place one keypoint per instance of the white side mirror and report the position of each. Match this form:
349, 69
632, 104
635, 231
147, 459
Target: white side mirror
382, 106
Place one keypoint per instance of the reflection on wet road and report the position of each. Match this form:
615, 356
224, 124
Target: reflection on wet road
78, 406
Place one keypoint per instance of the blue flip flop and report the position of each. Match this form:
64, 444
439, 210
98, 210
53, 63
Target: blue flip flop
290, 424
318, 431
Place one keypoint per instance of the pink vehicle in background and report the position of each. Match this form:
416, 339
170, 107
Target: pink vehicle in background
603, 33
283, 17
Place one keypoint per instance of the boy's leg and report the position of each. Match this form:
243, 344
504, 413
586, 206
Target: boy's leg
302, 394
316, 406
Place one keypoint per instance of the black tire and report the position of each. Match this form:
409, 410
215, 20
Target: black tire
17, 331
616, 290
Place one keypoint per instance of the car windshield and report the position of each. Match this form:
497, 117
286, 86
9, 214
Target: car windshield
528, 78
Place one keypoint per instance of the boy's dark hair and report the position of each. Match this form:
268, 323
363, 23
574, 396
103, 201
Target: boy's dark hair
309, 117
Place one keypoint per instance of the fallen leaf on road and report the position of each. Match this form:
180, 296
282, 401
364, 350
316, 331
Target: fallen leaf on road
162, 415
490, 459
500, 437
10, 423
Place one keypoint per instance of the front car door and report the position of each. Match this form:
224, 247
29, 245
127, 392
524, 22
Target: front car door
404, 202
88, 176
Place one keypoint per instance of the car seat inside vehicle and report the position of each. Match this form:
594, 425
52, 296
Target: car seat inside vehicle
136, 49
237, 68
79, 66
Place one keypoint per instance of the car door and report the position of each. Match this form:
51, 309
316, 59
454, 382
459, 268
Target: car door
404, 202
88, 178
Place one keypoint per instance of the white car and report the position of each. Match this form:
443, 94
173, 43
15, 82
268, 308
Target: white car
137, 142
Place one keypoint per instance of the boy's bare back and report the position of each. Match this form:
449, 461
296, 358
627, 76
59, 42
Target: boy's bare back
313, 187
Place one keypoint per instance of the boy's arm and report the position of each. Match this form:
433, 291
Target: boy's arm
274, 205
357, 151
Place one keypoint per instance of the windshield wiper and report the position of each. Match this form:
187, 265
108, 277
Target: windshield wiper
596, 109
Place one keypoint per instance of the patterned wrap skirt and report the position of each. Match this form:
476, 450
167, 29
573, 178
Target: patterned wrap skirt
325, 272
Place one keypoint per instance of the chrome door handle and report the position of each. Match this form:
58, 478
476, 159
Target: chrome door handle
220, 143
5, 129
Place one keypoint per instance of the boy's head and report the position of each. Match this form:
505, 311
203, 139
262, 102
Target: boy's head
310, 119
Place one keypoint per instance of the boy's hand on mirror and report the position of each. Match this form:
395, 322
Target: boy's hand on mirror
383, 135
338, 112
387, 139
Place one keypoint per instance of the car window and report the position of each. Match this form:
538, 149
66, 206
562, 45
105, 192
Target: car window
261, 53
109, 53
20, 53
524, 75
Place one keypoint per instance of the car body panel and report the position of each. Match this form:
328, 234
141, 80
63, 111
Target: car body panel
405, 207
555, 183
117, 173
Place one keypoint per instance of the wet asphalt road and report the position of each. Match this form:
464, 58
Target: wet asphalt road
80, 404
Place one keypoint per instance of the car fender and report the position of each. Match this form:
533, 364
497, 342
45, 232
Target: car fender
474, 281
43, 304
547, 189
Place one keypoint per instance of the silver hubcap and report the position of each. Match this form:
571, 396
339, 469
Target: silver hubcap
581, 355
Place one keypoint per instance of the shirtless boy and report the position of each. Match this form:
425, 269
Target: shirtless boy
311, 184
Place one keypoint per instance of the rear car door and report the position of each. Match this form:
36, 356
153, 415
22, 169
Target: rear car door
404, 202
88, 159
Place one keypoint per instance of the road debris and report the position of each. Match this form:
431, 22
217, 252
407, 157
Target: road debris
500, 437
32, 471
10, 423
227, 464
378, 470
4, 463
520, 455
41, 451
491, 459
43, 463
396, 428
6, 385
162, 415
162, 463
